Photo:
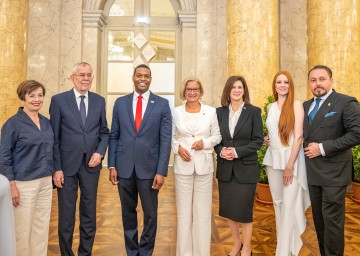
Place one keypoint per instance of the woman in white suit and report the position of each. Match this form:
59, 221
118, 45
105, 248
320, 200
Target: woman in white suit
195, 133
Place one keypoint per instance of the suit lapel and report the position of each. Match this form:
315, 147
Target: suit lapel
325, 108
182, 123
245, 113
71, 100
91, 107
149, 109
129, 106
306, 116
225, 121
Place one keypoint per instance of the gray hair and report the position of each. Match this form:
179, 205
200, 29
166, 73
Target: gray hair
76, 65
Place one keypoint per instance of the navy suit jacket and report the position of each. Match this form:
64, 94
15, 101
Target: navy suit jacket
146, 151
337, 126
72, 138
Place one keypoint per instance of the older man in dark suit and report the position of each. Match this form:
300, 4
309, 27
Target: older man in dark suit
81, 137
139, 150
331, 128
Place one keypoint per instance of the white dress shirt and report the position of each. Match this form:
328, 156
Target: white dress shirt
78, 100
233, 120
145, 101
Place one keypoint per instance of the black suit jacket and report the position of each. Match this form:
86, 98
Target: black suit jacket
337, 126
72, 138
248, 138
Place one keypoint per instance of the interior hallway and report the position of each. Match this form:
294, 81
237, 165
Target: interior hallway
109, 237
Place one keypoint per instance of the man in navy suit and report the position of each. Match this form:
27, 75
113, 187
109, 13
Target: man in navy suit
139, 149
81, 137
331, 128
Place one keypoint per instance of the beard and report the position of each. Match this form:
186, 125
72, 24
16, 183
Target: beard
319, 92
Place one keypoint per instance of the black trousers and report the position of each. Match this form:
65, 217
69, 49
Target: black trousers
129, 190
67, 197
328, 208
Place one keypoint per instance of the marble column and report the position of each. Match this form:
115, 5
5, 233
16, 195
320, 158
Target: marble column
13, 53
211, 48
334, 41
187, 20
93, 23
253, 44
293, 43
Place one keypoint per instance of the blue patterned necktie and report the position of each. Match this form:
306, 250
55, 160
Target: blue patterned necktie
314, 110
82, 109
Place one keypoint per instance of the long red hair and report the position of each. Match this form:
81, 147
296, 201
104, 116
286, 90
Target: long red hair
287, 116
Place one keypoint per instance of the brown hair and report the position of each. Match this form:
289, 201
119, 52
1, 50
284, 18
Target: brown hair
287, 116
225, 97
27, 87
184, 84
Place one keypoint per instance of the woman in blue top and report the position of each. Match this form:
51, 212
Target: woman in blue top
26, 159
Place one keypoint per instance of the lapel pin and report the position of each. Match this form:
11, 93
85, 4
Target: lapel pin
244, 107
151, 101
329, 104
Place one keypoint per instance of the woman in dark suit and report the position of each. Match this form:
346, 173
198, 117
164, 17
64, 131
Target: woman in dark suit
26, 159
237, 163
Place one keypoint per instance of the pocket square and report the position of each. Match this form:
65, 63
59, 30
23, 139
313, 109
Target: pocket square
330, 114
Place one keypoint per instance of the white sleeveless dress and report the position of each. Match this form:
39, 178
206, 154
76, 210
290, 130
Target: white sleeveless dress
277, 157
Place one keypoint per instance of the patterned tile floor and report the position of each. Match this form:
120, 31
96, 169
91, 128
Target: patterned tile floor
109, 237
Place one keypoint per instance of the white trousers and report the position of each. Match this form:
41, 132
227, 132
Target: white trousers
284, 200
193, 203
32, 217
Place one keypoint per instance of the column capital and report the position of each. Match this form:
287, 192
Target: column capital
93, 19
187, 19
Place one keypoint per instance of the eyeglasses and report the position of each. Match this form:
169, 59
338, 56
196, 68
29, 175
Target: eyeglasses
192, 89
82, 75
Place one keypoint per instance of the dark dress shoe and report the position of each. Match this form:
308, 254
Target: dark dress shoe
241, 246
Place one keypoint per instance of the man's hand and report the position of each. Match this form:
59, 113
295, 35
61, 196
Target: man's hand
113, 176
95, 160
158, 182
267, 140
313, 150
58, 178
15, 194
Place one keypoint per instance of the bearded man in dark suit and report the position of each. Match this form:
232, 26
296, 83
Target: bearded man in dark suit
331, 129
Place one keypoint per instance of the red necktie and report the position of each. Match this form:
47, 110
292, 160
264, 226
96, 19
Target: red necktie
138, 116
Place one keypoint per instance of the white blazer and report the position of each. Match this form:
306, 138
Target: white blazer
206, 129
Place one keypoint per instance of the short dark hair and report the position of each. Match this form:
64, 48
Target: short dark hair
142, 66
27, 87
225, 98
327, 69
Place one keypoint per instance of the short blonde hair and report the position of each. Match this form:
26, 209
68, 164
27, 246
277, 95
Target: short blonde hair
184, 84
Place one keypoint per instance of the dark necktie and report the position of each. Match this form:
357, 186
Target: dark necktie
314, 110
138, 115
82, 109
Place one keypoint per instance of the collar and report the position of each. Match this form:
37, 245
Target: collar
77, 94
324, 97
145, 95
241, 107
